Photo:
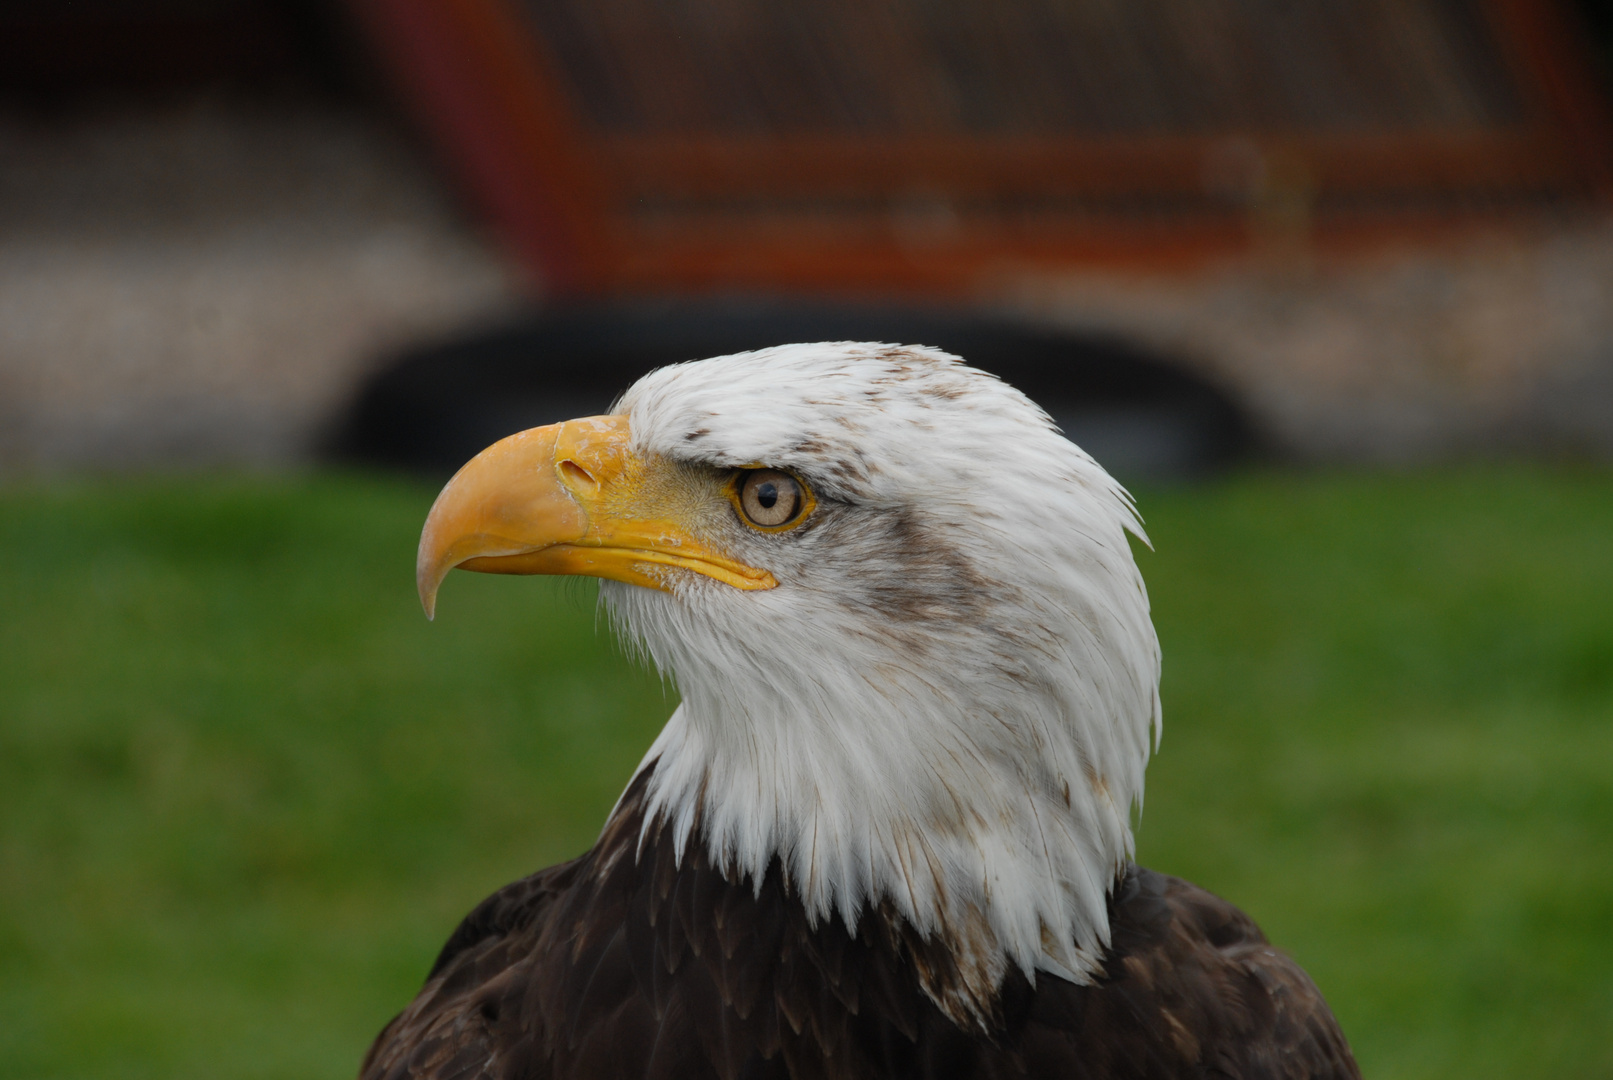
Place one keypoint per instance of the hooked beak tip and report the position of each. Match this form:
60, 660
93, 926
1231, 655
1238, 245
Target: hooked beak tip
428, 579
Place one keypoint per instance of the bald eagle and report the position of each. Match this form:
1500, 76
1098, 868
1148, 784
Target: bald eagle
888, 831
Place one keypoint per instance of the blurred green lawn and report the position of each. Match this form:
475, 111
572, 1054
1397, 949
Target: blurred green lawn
246, 789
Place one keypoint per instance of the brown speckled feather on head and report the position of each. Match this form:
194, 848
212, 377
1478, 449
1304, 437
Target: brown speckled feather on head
612, 966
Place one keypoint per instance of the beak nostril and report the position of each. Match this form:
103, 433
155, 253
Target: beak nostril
576, 474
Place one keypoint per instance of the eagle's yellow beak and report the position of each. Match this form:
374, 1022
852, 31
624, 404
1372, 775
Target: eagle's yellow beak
570, 498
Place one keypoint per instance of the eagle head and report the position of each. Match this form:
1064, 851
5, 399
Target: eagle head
912, 644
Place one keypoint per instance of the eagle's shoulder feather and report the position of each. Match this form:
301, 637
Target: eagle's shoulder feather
628, 962
1190, 987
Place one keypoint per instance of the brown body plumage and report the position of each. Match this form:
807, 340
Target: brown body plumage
622, 964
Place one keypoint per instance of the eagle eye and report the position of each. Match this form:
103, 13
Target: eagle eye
771, 499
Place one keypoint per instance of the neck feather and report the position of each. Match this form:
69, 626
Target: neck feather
984, 803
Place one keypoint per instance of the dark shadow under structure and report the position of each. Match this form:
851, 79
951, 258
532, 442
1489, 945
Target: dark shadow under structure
433, 408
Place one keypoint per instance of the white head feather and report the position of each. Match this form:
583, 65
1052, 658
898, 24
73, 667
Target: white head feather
946, 706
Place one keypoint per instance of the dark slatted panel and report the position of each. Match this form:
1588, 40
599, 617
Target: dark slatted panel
1034, 67
931, 145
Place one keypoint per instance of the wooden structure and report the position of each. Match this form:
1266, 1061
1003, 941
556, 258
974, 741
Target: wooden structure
652, 146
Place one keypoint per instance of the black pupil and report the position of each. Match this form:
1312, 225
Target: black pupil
767, 494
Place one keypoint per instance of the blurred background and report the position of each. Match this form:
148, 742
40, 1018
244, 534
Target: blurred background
1329, 283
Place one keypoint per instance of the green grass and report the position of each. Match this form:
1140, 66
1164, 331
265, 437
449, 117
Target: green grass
246, 790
